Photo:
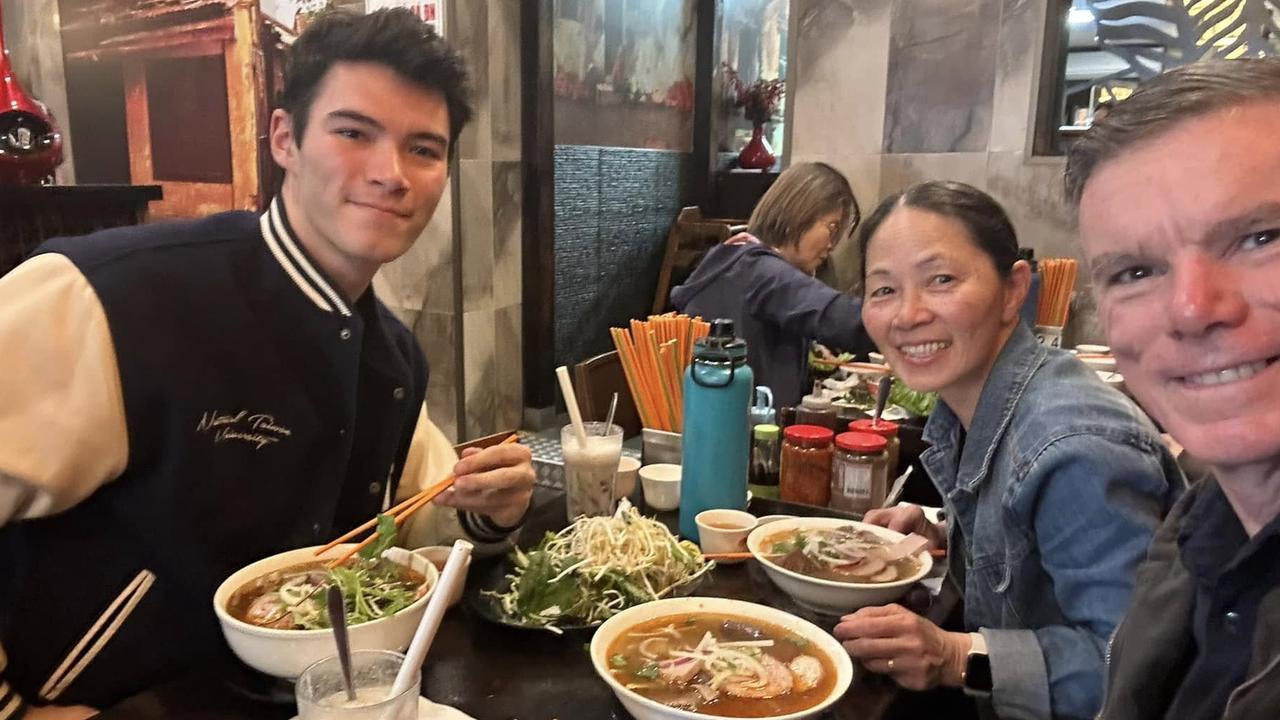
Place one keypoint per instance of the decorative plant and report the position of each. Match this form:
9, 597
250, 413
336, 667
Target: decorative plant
759, 100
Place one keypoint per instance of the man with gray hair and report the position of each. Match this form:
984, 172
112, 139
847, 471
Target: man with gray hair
1178, 191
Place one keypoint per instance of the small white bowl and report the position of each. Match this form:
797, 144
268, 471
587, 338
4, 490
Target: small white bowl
1098, 362
724, 531
286, 653
831, 596
661, 484
439, 555
642, 708
1093, 349
624, 483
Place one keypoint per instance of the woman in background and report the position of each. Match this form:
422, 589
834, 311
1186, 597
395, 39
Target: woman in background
1052, 482
768, 287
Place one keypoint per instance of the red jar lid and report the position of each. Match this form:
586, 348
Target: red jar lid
884, 428
861, 442
809, 434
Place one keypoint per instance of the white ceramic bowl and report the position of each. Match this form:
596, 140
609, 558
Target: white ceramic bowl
1112, 378
1098, 362
831, 596
1093, 349
624, 483
286, 653
661, 485
643, 708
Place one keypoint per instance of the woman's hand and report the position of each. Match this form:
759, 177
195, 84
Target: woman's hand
907, 518
894, 641
60, 712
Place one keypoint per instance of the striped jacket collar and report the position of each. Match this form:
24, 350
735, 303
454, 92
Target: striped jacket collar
284, 246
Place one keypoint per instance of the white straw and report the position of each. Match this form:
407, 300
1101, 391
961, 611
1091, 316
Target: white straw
454, 572
571, 401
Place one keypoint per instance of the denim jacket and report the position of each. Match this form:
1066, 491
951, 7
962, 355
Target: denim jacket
1052, 499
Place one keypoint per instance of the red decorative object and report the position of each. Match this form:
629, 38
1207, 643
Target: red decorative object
759, 101
30, 144
756, 155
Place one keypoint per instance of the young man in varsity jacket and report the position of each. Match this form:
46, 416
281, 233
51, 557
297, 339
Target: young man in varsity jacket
178, 400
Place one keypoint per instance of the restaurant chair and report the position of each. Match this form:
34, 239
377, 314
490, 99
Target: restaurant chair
689, 239
596, 380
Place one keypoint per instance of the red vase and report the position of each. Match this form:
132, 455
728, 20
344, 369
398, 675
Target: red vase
757, 155
30, 144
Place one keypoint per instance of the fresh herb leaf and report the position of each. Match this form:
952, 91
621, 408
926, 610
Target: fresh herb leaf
798, 641
917, 403
648, 672
618, 661
385, 540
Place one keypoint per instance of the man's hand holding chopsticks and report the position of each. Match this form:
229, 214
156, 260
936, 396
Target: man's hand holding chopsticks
496, 481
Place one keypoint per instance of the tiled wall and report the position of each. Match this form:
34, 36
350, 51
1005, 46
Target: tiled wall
460, 286
613, 209
896, 92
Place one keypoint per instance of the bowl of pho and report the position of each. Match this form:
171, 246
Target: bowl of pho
273, 614
700, 657
836, 566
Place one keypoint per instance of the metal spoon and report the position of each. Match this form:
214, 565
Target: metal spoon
338, 619
882, 396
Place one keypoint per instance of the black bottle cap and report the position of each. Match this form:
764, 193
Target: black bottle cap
722, 328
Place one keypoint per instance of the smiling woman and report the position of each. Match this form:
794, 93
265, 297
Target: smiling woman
1028, 450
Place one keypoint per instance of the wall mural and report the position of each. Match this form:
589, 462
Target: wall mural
624, 72
1151, 36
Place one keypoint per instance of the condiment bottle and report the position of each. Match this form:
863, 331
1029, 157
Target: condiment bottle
816, 410
764, 461
805, 472
858, 474
762, 412
887, 430
716, 447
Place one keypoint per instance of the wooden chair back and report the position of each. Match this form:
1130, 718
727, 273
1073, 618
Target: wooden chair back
689, 239
595, 381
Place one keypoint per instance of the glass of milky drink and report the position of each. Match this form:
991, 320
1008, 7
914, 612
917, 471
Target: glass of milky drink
322, 695
589, 471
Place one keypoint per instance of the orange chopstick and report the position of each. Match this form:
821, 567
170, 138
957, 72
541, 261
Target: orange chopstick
401, 513
727, 556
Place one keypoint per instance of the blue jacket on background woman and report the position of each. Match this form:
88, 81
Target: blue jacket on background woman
764, 279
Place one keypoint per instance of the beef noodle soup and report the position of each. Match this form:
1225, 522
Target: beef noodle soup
294, 598
719, 664
844, 554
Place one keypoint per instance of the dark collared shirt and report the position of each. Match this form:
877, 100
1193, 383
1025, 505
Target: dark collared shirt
1232, 572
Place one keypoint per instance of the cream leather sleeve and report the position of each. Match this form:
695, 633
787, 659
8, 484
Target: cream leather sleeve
62, 421
431, 458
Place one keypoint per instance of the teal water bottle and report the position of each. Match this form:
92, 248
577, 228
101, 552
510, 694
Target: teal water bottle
716, 447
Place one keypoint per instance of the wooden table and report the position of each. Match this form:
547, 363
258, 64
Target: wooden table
493, 672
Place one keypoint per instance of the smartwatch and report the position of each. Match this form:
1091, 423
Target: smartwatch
977, 668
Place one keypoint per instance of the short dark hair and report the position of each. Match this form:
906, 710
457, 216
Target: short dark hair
800, 196
393, 37
981, 215
1181, 94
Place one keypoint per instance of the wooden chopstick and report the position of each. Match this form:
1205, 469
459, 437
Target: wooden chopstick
728, 556
401, 513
